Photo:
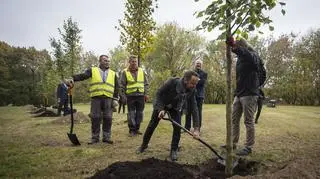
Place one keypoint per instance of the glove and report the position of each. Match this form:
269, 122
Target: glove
230, 41
146, 98
114, 105
161, 114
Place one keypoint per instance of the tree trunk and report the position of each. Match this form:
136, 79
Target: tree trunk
228, 169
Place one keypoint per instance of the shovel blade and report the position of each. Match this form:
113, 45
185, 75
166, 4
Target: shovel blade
73, 138
235, 162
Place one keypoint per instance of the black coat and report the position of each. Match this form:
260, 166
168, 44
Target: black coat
173, 94
201, 83
247, 80
62, 91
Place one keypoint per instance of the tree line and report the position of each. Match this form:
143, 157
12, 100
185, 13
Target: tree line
30, 76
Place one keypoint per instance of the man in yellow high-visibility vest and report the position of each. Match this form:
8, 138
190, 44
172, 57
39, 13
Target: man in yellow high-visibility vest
134, 86
104, 88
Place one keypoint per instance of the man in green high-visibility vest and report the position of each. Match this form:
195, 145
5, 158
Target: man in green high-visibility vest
104, 88
134, 89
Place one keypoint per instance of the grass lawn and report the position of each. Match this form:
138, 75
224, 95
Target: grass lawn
38, 148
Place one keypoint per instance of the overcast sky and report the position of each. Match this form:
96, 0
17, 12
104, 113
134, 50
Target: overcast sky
32, 22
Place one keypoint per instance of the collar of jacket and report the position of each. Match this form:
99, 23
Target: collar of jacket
103, 69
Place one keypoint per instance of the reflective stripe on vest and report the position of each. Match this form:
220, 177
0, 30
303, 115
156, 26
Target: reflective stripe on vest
132, 85
98, 87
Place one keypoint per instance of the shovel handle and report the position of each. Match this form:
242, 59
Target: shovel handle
190, 133
71, 106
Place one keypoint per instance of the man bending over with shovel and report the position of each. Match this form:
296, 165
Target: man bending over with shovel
170, 98
103, 90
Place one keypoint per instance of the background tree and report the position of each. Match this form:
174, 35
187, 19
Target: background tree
72, 45
120, 58
173, 51
235, 17
307, 50
60, 61
215, 65
137, 26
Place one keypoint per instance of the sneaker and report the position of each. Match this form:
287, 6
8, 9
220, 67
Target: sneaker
174, 155
108, 141
234, 147
244, 152
141, 149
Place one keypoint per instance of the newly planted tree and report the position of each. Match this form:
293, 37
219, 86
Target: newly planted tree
235, 17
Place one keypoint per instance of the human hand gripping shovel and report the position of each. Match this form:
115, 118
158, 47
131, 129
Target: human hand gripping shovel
73, 137
221, 160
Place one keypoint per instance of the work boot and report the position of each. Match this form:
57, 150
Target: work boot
108, 141
141, 149
174, 155
244, 152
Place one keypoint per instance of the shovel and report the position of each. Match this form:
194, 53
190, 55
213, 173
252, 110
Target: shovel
221, 160
73, 137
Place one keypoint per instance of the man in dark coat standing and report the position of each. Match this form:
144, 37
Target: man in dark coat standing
246, 93
199, 94
62, 97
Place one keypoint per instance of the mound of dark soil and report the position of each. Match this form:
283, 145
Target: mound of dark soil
46, 113
162, 169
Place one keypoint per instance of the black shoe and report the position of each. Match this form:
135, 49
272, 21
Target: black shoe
108, 141
93, 142
174, 155
132, 134
244, 152
139, 133
234, 147
141, 149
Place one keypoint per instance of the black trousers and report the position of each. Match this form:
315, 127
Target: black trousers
135, 112
176, 116
188, 114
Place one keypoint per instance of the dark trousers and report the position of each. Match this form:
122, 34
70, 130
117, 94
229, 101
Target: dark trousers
101, 108
188, 114
63, 103
135, 112
123, 106
154, 123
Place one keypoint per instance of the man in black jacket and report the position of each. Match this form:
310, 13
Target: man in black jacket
62, 97
170, 98
246, 93
199, 94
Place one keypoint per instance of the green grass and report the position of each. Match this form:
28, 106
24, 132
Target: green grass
37, 148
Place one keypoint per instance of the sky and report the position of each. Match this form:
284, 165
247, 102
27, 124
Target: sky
27, 23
